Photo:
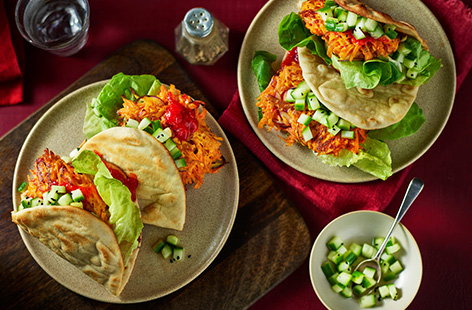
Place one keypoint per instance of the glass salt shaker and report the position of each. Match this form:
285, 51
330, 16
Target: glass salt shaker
200, 38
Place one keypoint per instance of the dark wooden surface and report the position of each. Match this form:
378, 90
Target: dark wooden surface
269, 239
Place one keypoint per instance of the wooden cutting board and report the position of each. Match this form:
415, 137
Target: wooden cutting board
269, 239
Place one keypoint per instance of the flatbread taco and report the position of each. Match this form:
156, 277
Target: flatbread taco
160, 190
84, 214
346, 84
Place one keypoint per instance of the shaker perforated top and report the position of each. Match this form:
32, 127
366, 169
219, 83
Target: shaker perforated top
198, 22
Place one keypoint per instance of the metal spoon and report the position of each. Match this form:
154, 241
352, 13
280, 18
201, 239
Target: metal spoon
414, 189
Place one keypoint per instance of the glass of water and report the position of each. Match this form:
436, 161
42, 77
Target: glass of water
57, 26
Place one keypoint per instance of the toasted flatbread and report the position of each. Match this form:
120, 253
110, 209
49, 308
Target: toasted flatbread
364, 10
160, 192
365, 108
80, 238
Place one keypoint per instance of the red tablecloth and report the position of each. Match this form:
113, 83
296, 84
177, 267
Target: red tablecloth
440, 217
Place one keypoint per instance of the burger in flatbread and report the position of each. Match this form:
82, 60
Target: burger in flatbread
84, 214
347, 83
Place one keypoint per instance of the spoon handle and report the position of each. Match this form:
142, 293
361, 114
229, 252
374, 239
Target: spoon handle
414, 189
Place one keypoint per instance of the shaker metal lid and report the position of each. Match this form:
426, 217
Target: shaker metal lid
198, 22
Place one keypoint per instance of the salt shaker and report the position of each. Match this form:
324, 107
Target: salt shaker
200, 38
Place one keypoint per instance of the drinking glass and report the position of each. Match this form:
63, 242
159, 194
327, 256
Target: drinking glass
57, 26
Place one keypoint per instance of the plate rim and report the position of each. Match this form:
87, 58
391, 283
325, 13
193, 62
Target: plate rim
195, 275
285, 159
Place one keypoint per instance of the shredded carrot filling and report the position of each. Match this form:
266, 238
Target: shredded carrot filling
344, 44
50, 169
201, 151
281, 115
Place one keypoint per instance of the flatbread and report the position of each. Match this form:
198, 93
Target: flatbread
80, 238
365, 108
160, 192
364, 10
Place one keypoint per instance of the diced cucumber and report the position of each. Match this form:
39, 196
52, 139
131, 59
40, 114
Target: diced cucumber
172, 239
37, 202
162, 135
368, 282
180, 163
170, 144
312, 102
301, 90
334, 130
343, 124
334, 243
358, 289
344, 278
65, 200
344, 266
331, 23
144, 123
304, 119
393, 248
355, 248
351, 20
391, 241
350, 257
412, 73
299, 104
175, 153
288, 97
77, 204
158, 246
337, 288
370, 24
52, 197
26, 203
22, 187
342, 16
341, 250
178, 253
346, 292
387, 258
377, 242
384, 266
396, 267
377, 32
332, 280
307, 134
321, 116
58, 189
348, 134
132, 123
389, 275
368, 301
77, 195
393, 291
409, 63
325, 12
341, 27
357, 277
328, 269
74, 152
402, 49
391, 34
384, 291
166, 251
369, 272
358, 34
335, 257
155, 88
332, 119
368, 251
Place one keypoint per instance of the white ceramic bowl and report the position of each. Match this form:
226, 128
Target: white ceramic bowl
361, 227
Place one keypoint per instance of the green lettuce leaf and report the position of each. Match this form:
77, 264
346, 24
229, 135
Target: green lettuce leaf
374, 159
261, 66
101, 112
125, 217
410, 124
291, 31
316, 46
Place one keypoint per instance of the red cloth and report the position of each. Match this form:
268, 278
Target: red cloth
337, 198
11, 80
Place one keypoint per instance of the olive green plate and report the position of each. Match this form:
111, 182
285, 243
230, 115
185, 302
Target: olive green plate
211, 211
435, 98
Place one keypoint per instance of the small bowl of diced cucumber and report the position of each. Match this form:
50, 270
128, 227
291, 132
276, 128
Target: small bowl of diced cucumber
352, 238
